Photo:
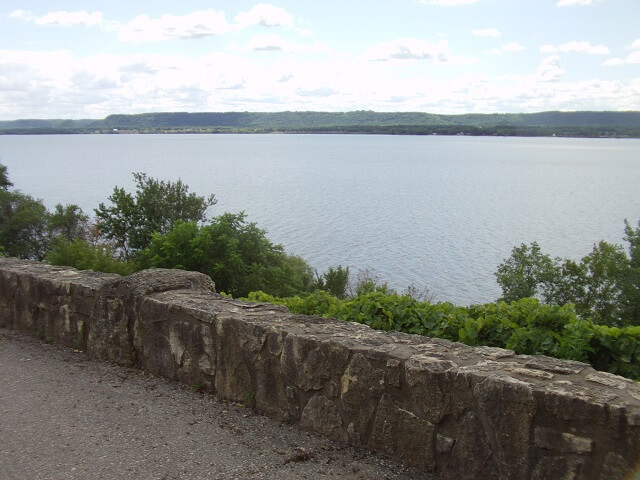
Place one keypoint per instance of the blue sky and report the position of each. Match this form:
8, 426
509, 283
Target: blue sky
79, 59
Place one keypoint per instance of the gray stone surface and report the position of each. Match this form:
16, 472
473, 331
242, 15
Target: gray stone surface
465, 413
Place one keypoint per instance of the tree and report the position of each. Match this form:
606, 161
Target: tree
4, 178
368, 281
334, 280
235, 253
23, 225
631, 287
606, 271
27, 229
527, 273
130, 221
604, 285
68, 222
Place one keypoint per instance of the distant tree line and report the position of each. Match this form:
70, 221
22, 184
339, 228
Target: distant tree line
573, 124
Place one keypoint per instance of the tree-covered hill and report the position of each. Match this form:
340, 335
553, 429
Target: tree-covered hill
579, 124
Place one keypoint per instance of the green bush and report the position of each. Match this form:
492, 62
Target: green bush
525, 326
85, 256
235, 253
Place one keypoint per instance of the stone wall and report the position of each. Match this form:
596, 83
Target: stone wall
466, 413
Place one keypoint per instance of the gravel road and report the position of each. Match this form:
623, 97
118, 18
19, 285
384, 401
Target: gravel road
65, 416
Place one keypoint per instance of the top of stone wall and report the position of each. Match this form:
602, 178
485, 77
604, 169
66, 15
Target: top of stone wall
55, 274
195, 292
546, 375
468, 412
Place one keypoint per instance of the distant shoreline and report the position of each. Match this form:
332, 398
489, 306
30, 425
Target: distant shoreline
543, 124
627, 135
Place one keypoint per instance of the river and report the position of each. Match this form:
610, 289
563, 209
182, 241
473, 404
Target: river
432, 211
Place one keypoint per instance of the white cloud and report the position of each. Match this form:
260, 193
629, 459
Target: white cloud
635, 44
203, 23
549, 69
197, 24
270, 43
570, 3
266, 43
448, 3
410, 49
631, 59
486, 32
583, 47
22, 15
265, 15
70, 18
63, 18
576, 47
61, 84
510, 47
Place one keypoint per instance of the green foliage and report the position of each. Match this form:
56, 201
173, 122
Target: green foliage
130, 221
27, 229
606, 268
4, 178
234, 253
68, 222
367, 281
82, 255
525, 272
317, 303
525, 326
580, 124
631, 285
616, 350
334, 280
604, 285
23, 225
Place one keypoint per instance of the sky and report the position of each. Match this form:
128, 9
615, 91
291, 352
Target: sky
77, 59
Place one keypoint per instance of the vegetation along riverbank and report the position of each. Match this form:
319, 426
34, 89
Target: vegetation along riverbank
587, 310
543, 124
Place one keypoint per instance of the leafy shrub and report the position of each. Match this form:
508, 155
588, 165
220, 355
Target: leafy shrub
235, 253
85, 256
525, 326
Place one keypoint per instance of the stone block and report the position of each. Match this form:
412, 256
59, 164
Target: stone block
463, 413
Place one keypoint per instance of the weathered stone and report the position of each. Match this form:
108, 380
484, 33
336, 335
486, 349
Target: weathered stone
528, 372
558, 468
115, 321
471, 456
614, 467
401, 433
427, 381
495, 353
506, 408
562, 442
304, 364
233, 380
272, 396
393, 372
610, 380
465, 413
321, 415
444, 444
360, 388
554, 365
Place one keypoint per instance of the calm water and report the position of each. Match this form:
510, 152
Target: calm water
440, 212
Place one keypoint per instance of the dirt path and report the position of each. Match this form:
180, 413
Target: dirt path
64, 416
